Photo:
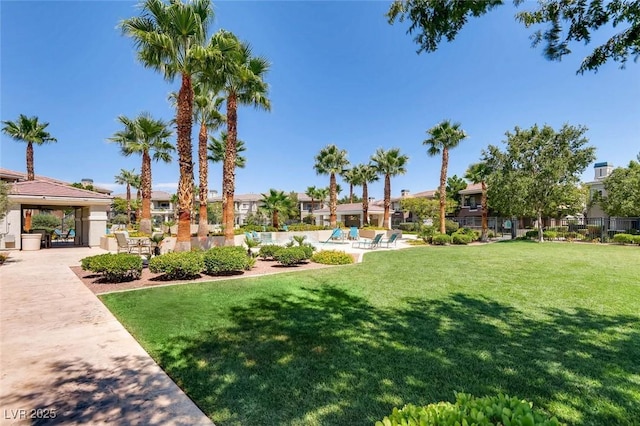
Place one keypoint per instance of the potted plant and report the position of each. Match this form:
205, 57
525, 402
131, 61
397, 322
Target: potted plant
156, 240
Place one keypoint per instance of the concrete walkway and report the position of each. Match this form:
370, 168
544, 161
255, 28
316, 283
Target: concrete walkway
64, 354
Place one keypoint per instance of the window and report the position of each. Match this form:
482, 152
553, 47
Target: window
472, 203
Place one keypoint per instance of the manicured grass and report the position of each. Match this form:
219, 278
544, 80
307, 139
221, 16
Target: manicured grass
557, 324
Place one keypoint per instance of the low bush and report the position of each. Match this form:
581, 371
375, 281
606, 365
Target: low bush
623, 239
3, 257
114, 267
427, 233
636, 239
449, 225
308, 250
469, 410
410, 226
306, 227
475, 235
532, 234
268, 251
178, 266
570, 236
221, 260
550, 235
332, 257
441, 239
460, 238
289, 256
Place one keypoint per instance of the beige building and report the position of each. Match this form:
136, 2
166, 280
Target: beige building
596, 186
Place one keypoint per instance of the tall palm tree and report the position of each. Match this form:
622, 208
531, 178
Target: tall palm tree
365, 174
127, 177
389, 163
170, 39
240, 77
137, 184
331, 161
274, 203
444, 136
351, 178
478, 173
29, 130
146, 136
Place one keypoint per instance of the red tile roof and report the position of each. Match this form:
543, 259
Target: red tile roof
41, 188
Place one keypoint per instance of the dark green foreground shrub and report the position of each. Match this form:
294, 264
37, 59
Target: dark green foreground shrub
469, 410
623, 239
332, 257
268, 251
114, 267
221, 260
289, 256
178, 266
441, 239
460, 238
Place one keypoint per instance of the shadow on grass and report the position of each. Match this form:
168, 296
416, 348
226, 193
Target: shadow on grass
328, 357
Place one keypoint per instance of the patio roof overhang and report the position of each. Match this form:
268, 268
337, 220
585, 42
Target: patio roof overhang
40, 201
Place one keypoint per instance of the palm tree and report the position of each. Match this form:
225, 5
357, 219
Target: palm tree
366, 173
170, 39
444, 136
312, 192
478, 173
29, 130
146, 136
331, 161
350, 177
137, 184
127, 177
240, 76
274, 203
389, 163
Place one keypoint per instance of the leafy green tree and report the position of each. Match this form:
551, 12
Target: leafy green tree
240, 77
388, 164
214, 212
443, 137
45, 221
422, 208
29, 130
478, 173
455, 184
538, 173
331, 161
567, 22
170, 39
623, 191
275, 203
127, 178
366, 173
147, 137
87, 187
4, 199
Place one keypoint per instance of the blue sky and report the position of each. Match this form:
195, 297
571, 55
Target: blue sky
340, 74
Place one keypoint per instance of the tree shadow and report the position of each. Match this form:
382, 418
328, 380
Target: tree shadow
136, 392
326, 356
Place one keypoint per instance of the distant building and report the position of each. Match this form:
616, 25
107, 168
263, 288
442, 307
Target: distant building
596, 188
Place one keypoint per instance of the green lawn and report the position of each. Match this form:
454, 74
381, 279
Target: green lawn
557, 324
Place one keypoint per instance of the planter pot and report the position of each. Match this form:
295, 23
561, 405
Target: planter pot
31, 242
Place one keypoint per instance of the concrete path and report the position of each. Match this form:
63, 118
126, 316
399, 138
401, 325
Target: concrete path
63, 354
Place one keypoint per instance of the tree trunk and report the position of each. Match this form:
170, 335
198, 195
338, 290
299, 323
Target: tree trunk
203, 173
350, 193
128, 203
387, 201
333, 219
365, 204
485, 213
540, 234
274, 219
145, 180
30, 173
228, 169
139, 204
184, 121
443, 188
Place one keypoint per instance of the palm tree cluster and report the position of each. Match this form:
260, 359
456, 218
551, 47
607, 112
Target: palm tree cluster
171, 38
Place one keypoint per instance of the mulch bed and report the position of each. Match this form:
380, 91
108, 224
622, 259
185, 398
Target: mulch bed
94, 281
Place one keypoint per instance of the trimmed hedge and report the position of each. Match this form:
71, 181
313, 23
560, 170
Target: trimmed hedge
179, 266
460, 238
289, 256
550, 235
469, 410
220, 260
332, 257
441, 239
623, 239
114, 267
268, 251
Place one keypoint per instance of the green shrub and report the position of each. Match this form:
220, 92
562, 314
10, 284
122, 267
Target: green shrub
636, 239
460, 238
469, 410
410, 226
306, 227
45, 221
332, 257
569, 236
550, 235
623, 239
221, 260
532, 235
290, 255
114, 267
3, 257
308, 250
427, 233
268, 251
475, 235
177, 266
449, 225
441, 239
120, 219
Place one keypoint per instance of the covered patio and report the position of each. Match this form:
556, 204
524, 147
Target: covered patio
351, 215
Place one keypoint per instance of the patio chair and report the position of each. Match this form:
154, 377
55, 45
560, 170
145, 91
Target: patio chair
353, 233
335, 235
267, 238
125, 244
392, 240
368, 244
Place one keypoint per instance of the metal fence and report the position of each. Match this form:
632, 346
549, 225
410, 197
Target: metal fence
602, 228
